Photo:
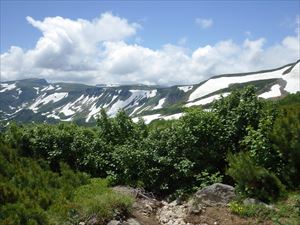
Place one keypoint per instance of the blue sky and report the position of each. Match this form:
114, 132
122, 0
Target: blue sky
187, 26
163, 22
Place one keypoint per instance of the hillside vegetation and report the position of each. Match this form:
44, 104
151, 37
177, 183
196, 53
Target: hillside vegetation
251, 143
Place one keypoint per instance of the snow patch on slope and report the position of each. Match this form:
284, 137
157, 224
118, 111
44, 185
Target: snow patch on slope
19, 91
70, 108
48, 88
7, 87
43, 100
133, 100
37, 90
93, 109
207, 100
53, 116
293, 79
67, 110
149, 118
136, 109
274, 92
160, 103
111, 101
216, 84
173, 117
185, 88
93, 112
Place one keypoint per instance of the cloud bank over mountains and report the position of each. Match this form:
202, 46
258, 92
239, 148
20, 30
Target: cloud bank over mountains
98, 51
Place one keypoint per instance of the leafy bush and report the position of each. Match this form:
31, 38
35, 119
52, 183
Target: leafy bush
93, 200
257, 211
285, 139
282, 212
205, 179
30, 193
253, 180
157, 156
238, 111
28, 188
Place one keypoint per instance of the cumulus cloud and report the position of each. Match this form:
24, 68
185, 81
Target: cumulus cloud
204, 23
97, 52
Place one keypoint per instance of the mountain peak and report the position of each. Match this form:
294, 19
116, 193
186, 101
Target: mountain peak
39, 81
47, 102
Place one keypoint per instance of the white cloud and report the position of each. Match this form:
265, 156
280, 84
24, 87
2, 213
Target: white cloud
96, 52
204, 23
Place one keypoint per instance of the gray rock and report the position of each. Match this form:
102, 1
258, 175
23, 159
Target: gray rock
132, 221
214, 195
114, 222
253, 201
93, 221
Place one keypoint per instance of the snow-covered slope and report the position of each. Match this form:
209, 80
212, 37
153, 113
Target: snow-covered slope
274, 92
219, 83
38, 100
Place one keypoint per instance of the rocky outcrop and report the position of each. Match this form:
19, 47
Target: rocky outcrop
130, 221
172, 214
214, 195
144, 208
114, 222
253, 201
149, 211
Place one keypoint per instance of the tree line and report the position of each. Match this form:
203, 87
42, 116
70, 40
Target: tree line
241, 140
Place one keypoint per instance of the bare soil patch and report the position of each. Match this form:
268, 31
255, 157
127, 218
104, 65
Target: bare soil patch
222, 216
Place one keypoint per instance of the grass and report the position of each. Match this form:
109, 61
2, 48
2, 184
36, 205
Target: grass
284, 212
94, 200
288, 211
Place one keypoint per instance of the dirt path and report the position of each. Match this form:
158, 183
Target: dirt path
223, 216
144, 220
149, 211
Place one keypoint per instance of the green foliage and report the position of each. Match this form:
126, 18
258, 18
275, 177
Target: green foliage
288, 210
284, 212
205, 179
38, 184
257, 142
253, 180
179, 156
120, 129
93, 200
28, 188
30, 193
285, 138
251, 210
238, 111
291, 99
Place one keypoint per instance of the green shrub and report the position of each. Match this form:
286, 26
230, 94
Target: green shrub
205, 179
158, 156
253, 180
259, 211
96, 200
28, 188
283, 212
285, 138
22, 214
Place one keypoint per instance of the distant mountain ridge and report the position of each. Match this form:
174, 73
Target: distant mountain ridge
37, 100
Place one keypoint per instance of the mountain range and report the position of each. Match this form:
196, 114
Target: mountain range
40, 101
